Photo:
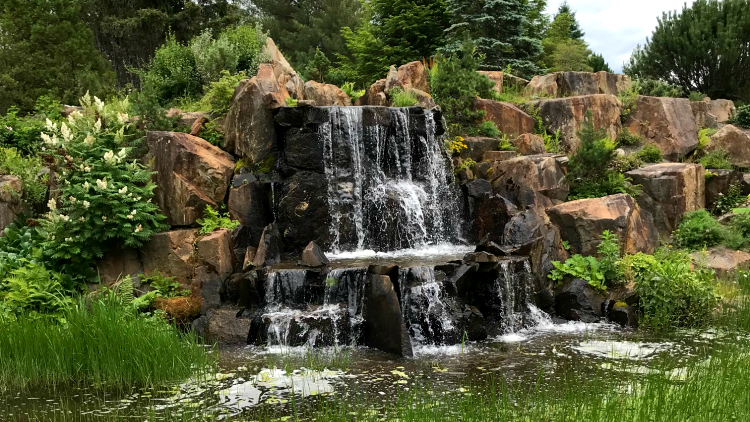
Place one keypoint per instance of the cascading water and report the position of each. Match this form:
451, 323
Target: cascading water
389, 184
425, 308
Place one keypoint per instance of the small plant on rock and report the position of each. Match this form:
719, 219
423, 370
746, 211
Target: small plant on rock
505, 144
625, 138
455, 145
650, 153
402, 98
725, 202
215, 220
717, 160
354, 94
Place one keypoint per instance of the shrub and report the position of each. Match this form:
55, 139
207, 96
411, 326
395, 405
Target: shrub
650, 153
213, 220
716, 160
32, 291
354, 94
625, 163
552, 142
657, 88
698, 230
599, 273
218, 97
488, 129
248, 42
696, 96
102, 199
625, 138
213, 56
455, 145
628, 98
29, 170
704, 137
742, 117
401, 98
20, 133
505, 144
725, 202
675, 293
466, 164
20, 245
171, 74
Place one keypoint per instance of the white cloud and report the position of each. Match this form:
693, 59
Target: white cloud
614, 28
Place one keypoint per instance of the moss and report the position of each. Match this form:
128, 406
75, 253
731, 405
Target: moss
244, 162
266, 166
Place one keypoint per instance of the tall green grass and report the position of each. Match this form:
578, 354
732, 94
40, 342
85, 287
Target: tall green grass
100, 343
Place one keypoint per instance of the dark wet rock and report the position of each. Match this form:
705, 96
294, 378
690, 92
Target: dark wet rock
718, 183
270, 247
244, 290
382, 268
478, 188
576, 300
384, 323
303, 211
530, 233
626, 316
118, 264
474, 324
225, 326
313, 256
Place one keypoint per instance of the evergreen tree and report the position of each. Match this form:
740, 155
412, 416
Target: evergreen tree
46, 49
598, 64
300, 28
574, 29
537, 21
499, 29
562, 51
703, 48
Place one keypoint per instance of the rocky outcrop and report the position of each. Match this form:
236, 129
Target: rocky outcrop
725, 262
667, 122
582, 222
412, 75
118, 264
190, 174
249, 204
285, 74
187, 119
504, 81
269, 248
718, 183
249, 128
530, 233
326, 94
477, 146
567, 115
510, 119
384, 322
702, 114
11, 188
228, 326
669, 191
527, 180
563, 84
722, 110
375, 95
736, 142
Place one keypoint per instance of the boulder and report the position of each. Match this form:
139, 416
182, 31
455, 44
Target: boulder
565, 84
375, 95
118, 264
499, 155
11, 188
383, 320
189, 173
529, 144
725, 262
527, 179
478, 188
530, 233
326, 94
477, 146
226, 326
303, 211
270, 247
510, 119
424, 99
285, 74
249, 127
171, 254
250, 205
722, 110
582, 222
214, 251
736, 142
496, 77
413, 75
187, 119
567, 115
702, 114
543, 86
313, 256
626, 316
576, 300
667, 122
669, 190
719, 182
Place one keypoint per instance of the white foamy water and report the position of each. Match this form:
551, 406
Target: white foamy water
425, 252
621, 349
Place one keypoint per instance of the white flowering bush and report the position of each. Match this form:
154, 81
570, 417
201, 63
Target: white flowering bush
102, 197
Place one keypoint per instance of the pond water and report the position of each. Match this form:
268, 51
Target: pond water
253, 381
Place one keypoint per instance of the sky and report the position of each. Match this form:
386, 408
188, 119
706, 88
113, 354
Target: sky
615, 28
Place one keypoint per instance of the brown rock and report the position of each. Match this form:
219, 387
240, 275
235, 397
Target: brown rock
582, 222
197, 126
496, 77
225, 326
510, 119
214, 251
375, 95
669, 191
249, 128
187, 119
413, 75
702, 114
313, 256
171, 253
567, 115
736, 142
249, 258
118, 264
499, 155
725, 262
561, 84
284, 72
722, 110
190, 174
529, 144
424, 99
270, 247
528, 179
11, 188
383, 320
477, 146
326, 94
391, 79
667, 122
543, 86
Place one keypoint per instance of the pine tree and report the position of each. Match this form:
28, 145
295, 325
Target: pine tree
574, 29
562, 51
598, 64
499, 29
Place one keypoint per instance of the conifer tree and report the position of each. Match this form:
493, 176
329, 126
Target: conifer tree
573, 29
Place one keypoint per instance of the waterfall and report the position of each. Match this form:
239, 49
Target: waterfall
426, 312
389, 182
514, 290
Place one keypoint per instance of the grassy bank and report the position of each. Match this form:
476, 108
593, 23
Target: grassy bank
101, 343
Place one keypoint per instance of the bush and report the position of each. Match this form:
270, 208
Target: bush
20, 245
716, 160
218, 97
625, 138
29, 170
698, 230
599, 273
704, 137
742, 117
657, 88
725, 202
171, 74
353, 94
21, 133
674, 293
235, 50
32, 292
505, 144
650, 153
401, 98
103, 199
696, 96
625, 163
629, 98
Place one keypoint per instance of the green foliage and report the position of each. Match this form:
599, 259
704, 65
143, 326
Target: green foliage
570, 56
742, 116
650, 153
564, 47
455, 145
234, 50
628, 98
598, 272
455, 84
499, 30
597, 64
625, 138
488, 129
33, 292
29, 170
172, 73
716, 160
402, 98
22, 133
317, 69
102, 199
48, 50
696, 49
291, 102
696, 96
625, 163
673, 292
19, 246
658, 88
699, 230
704, 137
466, 164
552, 142
354, 94
589, 169
505, 144
219, 95
726, 202
213, 220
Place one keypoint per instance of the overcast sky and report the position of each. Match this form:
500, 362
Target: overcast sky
614, 28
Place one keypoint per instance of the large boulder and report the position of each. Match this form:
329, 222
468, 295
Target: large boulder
477, 146
171, 254
582, 222
527, 180
375, 95
722, 110
249, 127
530, 233
736, 142
561, 84
226, 326
326, 94
510, 119
503, 80
250, 205
413, 75
576, 300
702, 114
119, 264
725, 262
383, 320
669, 191
567, 115
214, 252
529, 144
189, 174
283, 71
11, 188
667, 122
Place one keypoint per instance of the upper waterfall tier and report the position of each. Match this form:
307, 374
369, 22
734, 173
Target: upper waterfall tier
380, 174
